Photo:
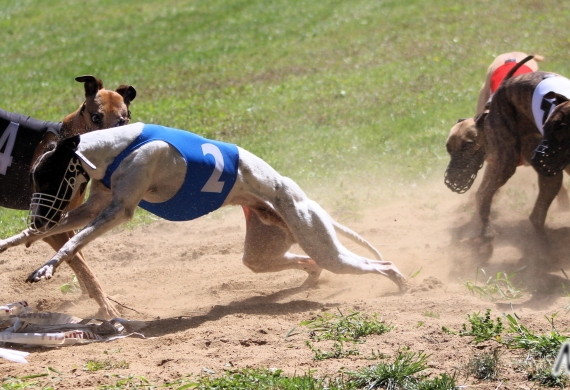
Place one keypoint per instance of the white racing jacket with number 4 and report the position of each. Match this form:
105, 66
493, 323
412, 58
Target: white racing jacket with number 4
19, 137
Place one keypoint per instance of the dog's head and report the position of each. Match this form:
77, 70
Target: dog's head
553, 154
466, 148
102, 108
57, 177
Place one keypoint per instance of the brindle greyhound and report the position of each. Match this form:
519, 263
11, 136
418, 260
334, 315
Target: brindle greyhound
513, 129
23, 139
466, 141
180, 176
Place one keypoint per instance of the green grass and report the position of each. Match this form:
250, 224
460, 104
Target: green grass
482, 328
429, 313
540, 350
107, 364
540, 371
342, 330
485, 366
345, 327
11, 221
539, 346
267, 380
406, 371
45, 381
502, 286
70, 287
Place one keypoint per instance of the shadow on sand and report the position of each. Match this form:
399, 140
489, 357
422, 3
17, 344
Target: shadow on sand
542, 257
266, 304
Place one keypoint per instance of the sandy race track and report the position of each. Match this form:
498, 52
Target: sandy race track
207, 312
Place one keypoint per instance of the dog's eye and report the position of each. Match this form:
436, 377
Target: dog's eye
96, 118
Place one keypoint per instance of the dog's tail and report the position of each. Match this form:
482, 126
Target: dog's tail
538, 58
351, 234
518, 65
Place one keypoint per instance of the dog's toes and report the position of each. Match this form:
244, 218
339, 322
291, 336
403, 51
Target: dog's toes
45, 272
404, 285
108, 313
32, 278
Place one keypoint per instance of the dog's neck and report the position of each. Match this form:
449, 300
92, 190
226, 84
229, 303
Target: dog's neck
101, 147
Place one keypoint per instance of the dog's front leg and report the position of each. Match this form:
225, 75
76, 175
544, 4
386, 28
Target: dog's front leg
75, 219
25, 237
108, 219
548, 188
129, 185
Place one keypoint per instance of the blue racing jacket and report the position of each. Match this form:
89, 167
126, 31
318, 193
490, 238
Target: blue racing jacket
211, 172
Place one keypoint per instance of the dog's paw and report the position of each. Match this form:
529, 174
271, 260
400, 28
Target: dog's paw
44, 272
404, 285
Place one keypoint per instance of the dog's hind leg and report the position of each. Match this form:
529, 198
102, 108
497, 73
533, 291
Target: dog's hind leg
87, 280
305, 221
314, 230
267, 244
495, 176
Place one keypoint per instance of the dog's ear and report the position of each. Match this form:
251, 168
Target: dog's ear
559, 98
480, 121
69, 143
128, 92
91, 83
460, 120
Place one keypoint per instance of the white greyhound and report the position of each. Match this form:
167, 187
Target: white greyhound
180, 176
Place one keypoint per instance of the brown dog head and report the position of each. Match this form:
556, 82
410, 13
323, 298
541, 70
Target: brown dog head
553, 154
102, 108
466, 147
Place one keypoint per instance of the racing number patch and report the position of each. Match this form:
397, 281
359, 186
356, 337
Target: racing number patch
7, 141
214, 184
